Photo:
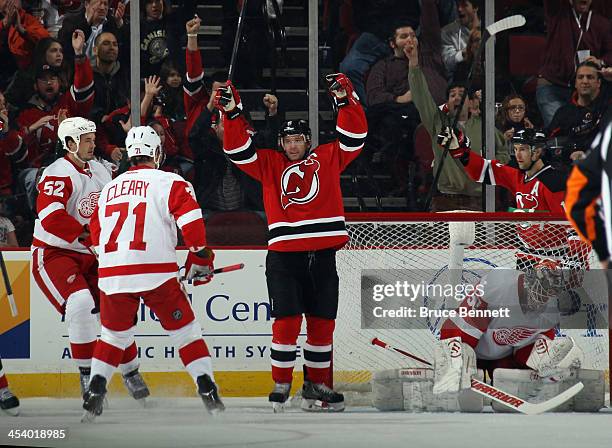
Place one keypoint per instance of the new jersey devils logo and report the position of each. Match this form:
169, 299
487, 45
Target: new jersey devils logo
300, 183
511, 336
88, 204
527, 201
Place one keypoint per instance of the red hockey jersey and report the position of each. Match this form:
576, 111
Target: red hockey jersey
302, 199
195, 97
542, 192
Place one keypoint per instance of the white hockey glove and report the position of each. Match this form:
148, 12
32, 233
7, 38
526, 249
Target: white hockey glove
454, 365
199, 266
553, 360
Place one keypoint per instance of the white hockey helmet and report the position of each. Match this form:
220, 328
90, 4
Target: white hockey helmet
144, 141
74, 128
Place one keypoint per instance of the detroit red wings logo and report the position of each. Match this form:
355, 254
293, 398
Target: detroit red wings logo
88, 204
300, 183
527, 201
511, 336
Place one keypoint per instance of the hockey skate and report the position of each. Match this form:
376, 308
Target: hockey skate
279, 396
317, 397
210, 396
94, 399
136, 386
9, 403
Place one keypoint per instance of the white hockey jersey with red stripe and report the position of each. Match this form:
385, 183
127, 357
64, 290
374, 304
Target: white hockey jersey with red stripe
134, 228
498, 337
66, 201
302, 199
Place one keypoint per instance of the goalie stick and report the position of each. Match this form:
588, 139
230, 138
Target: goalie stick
496, 27
7, 284
499, 395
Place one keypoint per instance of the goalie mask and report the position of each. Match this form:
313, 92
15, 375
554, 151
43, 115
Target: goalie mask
295, 127
74, 128
543, 282
144, 141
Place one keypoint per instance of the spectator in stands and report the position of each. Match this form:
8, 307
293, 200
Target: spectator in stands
172, 91
46, 12
111, 77
21, 31
375, 20
47, 51
580, 118
512, 117
575, 32
161, 36
13, 151
455, 35
94, 18
49, 106
456, 191
462, 69
7, 229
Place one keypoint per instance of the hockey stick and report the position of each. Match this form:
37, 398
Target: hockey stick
222, 270
7, 284
232, 66
497, 27
499, 395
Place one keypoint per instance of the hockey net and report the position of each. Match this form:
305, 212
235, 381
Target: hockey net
397, 245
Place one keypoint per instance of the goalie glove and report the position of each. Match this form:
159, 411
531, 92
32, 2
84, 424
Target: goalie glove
454, 366
227, 100
457, 142
199, 266
341, 90
554, 360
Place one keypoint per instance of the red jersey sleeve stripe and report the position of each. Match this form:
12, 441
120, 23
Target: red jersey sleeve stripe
188, 217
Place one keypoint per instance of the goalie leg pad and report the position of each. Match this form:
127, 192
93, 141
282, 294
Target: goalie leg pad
411, 389
526, 384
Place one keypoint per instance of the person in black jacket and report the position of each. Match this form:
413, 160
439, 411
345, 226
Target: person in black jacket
93, 18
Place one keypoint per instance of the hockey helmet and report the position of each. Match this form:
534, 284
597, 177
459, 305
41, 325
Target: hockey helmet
295, 127
535, 138
74, 128
144, 141
543, 282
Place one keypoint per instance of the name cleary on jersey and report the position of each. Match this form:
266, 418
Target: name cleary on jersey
127, 187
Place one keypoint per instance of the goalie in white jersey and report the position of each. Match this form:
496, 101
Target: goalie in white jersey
134, 231
509, 322
63, 266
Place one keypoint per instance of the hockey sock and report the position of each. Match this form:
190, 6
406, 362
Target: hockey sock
285, 331
3, 380
129, 362
196, 359
318, 349
82, 353
105, 360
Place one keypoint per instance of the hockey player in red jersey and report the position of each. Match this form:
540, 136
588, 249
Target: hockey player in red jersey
521, 337
304, 209
9, 403
63, 266
536, 186
134, 230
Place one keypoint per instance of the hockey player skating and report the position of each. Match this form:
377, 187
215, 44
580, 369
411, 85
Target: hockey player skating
63, 266
134, 231
9, 403
303, 205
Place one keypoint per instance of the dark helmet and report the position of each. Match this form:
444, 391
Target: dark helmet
536, 138
294, 127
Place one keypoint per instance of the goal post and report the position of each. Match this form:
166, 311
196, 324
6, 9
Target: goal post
449, 248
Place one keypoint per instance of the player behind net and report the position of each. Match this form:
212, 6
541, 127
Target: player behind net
522, 338
303, 204
134, 230
63, 266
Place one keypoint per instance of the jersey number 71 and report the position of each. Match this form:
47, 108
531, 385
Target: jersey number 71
123, 209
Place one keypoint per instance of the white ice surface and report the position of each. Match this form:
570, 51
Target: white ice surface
250, 422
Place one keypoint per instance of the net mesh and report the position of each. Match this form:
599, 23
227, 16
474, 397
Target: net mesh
470, 246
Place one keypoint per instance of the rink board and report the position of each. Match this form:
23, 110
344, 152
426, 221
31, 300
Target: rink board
233, 311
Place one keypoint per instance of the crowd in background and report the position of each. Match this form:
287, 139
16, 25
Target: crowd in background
63, 58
